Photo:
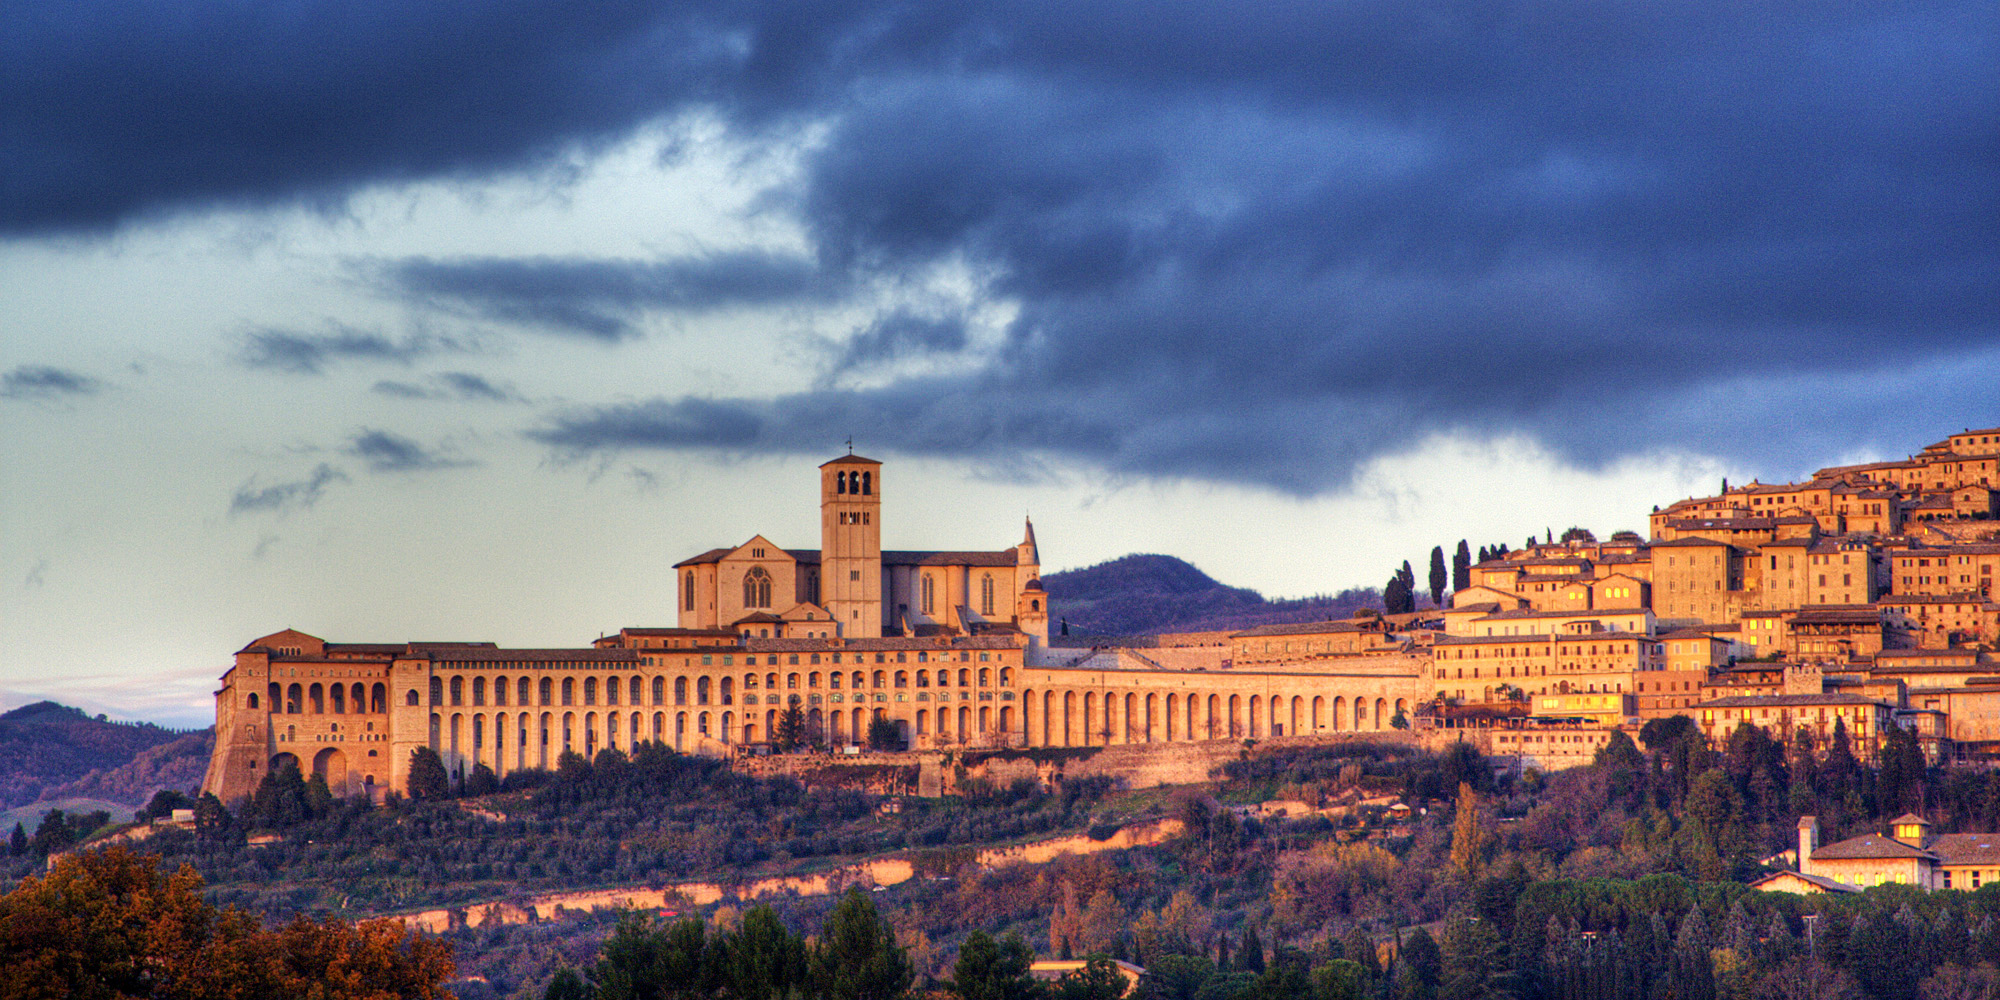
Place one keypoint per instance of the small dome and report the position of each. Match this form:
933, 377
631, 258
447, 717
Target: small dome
1034, 584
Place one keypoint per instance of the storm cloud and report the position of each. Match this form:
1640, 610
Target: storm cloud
601, 299
1262, 247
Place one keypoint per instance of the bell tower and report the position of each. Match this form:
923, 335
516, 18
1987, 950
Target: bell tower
850, 553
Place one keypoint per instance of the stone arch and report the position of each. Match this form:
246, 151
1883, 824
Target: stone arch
333, 765
569, 691
280, 760
1381, 716
457, 690
1256, 715
1339, 709
1318, 712
253, 700
548, 692
316, 696
337, 698
1360, 714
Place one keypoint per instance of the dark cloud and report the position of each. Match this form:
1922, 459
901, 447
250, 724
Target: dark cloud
899, 335
452, 386
280, 498
603, 299
298, 353
42, 382
1261, 247
386, 452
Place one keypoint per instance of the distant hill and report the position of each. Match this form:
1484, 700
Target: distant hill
178, 765
1140, 594
45, 745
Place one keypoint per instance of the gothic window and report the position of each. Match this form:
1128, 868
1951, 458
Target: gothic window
927, 599
757, 588
986, 594
687, 591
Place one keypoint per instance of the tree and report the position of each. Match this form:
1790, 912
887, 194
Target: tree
1396, 596
765, 961
1438, 576
1421, 965
428, 781
791, 730
163, 803
1461, 568
17, 844
990, 970
883, 734
1469, 836
482, 782
106, 924
1475, 964
1250, 956
568, 984
857, 957
1099, 979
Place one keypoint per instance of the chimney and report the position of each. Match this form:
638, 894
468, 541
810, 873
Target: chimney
1808, 842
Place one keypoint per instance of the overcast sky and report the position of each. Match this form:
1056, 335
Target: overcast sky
465, 321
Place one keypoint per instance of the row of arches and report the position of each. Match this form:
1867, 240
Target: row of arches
459, 691
1091, 718
320, 699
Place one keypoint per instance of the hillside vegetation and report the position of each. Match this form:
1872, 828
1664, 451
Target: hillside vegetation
44, 745
1140, 594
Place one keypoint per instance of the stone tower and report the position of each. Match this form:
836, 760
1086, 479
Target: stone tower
1031, 608
850, 556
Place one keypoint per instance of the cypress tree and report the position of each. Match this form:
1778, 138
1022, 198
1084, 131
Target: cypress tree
17, 843
1250, 957
1461, 567
1438, 576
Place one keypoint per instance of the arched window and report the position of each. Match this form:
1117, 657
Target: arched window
867, 483
253, 699
927, 595
944, 678
687, 591
680, 690
569, 691
411, 698
757, 588
659, 690
859, 681
589, 690
840, 481
548, 691
499, 690
437, 690
986, 594
479, 690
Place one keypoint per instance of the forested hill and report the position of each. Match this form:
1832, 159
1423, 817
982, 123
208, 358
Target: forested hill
1140, 594
45, 744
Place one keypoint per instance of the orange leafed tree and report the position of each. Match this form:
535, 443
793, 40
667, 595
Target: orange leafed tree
111, 925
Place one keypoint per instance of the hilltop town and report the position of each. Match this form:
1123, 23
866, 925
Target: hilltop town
1858, 599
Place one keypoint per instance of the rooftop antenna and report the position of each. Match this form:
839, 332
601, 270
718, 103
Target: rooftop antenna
850, 444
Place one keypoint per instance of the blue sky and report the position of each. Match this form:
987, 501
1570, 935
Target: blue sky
467, 320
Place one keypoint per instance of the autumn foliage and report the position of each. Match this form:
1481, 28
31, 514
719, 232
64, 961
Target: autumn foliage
111, 924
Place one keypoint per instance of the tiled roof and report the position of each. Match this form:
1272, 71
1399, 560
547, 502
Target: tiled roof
877, 645
850, 459
1786, 701
1298, 628
611, 654
1830, 885
1966, 848
1869, 846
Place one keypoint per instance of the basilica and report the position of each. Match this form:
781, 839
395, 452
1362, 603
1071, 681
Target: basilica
949, 646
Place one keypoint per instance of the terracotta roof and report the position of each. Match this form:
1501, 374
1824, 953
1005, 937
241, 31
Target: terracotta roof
850, 459
1830, 885
1785, 701
1681, 543
1869, 846
612, 654
1838, 614
1966, 848
1298, 628
871, 645
713, 632
1004, 557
